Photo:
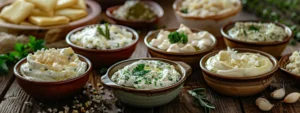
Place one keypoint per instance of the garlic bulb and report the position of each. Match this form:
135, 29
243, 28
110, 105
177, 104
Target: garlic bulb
263, 104
278, 93
292, 97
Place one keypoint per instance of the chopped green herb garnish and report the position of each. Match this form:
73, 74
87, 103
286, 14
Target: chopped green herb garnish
253, 28
184, 11
106, 34
175, 37
139, 70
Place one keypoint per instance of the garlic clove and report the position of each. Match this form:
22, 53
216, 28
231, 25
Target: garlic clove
263, 104
292, 97
278, 93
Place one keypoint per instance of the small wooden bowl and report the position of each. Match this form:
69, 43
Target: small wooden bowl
53, 33
238, 86
191, 58
52, 91
146, 98
282, 64
105, 58
157, 9
273, 48
210, 23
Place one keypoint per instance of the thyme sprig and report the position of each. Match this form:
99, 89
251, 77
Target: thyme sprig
201, 99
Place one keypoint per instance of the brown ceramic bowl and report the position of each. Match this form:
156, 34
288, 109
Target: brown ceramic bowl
282, 64
146, 98
191, 58
157, 9
53, 33
273, 48
209, 23
52, 91
105, 58
238, 86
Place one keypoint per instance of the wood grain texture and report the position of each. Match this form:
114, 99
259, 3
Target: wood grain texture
5, 82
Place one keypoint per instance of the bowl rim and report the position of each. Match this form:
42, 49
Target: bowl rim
70, 43
288, 31
92, 5
24, 60
214, 17
163, 89
282, 65
152, 4
213, 38
270, 57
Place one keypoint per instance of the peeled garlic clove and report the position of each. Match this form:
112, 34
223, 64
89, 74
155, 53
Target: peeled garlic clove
292, 97
263, 104
278, 93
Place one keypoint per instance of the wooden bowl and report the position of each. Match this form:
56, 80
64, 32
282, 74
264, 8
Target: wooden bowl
273, 48
146, 98
210, 23
53, 33
282, 64
157, 9
238, 86
52, 91
191, 58
105, 58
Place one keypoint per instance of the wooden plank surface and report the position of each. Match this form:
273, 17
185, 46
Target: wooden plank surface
5, 82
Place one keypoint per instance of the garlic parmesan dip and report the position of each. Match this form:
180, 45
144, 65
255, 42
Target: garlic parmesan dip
257, 32
53, 65
189, 42
91, 38
233, 64
208, 8
135, 10
147, 74
294, 63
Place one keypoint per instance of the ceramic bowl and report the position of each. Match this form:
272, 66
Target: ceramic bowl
158, 10
52, 91
146, 98
282, 64
191, 58
238, 86
53, 33
105, 58
273, 48
211, 24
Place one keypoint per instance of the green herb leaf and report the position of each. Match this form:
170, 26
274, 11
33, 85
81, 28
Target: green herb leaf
184, 11
201, 99
106, 34
175, 37
139, 70
253, 28
107, 31
3, 67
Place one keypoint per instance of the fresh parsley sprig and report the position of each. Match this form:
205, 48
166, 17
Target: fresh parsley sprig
139, 70
201, 99
21, 51
106, 34
175, 37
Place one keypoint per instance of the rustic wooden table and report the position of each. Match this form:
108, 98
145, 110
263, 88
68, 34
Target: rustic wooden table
15, 100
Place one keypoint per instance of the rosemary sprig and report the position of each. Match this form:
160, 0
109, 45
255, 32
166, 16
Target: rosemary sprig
201, 99
106, 33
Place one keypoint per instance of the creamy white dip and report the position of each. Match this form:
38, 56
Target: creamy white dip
234, 64
89, 37
207, 8
257, 32
294, 63
195, 41
147, 74
53, 65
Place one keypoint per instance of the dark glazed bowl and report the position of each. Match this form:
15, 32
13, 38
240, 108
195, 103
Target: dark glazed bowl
191, 58
146, 98
273, 48
52, 91
54, 33
282, 64
238, 86
157, 9
105, 58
